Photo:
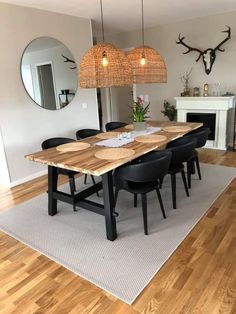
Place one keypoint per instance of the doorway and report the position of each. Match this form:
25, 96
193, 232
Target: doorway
121, 101
46, 86
116, 103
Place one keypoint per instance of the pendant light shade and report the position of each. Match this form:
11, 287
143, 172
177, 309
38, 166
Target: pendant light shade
104, 65
148, 65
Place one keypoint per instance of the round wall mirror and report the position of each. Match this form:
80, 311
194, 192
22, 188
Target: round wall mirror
49, 73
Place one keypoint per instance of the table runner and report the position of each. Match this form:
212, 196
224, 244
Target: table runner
127, 138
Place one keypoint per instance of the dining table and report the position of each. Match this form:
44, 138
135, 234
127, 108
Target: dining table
90, 156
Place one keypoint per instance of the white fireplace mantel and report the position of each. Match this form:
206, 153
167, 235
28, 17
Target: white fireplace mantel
223, 107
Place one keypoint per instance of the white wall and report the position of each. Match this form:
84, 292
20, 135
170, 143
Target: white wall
4, 177
23, 124
200, 33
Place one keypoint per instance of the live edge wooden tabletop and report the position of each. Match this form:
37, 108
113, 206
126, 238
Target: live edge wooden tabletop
85, 161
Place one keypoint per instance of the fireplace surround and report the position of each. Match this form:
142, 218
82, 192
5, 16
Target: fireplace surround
208, 120
215, 112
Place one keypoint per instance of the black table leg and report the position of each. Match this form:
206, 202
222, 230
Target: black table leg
108, 206
52, 187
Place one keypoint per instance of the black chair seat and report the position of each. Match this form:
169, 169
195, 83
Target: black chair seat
114, 125
200, 135
85, 133
139, 187
56, 141
175, 168
182, 151
142, 177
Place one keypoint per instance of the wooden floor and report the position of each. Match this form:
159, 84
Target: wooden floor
200, 277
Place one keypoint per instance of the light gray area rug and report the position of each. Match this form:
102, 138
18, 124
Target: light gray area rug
124, 267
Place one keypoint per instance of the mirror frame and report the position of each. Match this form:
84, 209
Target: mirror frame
74, 68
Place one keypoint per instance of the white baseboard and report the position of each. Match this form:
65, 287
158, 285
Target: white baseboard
31, 177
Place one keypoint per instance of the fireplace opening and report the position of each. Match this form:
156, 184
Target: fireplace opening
208, 120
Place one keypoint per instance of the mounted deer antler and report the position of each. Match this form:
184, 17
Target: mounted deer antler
69, 60
208, 55
228, 31
181, 42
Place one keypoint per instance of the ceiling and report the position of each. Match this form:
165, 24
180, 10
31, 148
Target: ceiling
125, 15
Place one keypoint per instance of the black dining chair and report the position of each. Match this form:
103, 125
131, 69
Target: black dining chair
84, 133
114, 125
143, 177
201, 136
56, 141
182, 149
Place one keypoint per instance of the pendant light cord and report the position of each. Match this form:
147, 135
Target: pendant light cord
142, 24
103, 37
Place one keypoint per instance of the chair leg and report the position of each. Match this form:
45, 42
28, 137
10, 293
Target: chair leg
135, 199
193, 166
94, 182
185, 182
198, 168
189, 168
72, 189
85, 178
161, 203
144, 209
161, 182
173, 187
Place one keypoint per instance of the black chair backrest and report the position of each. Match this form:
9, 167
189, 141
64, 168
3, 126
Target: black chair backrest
201, 136
182, 149
83, 133
114, 125
55, 141
149, 169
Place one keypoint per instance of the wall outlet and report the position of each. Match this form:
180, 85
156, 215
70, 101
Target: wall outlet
84, 105
146, 98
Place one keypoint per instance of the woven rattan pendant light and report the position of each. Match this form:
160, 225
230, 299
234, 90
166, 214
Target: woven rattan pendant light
104, 65
147, 64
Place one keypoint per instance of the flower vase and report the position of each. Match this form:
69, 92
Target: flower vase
140, 126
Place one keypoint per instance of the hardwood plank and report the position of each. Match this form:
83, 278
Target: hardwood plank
200, 277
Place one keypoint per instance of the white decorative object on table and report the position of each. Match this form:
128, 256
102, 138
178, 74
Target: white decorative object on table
140, 126
126, 137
